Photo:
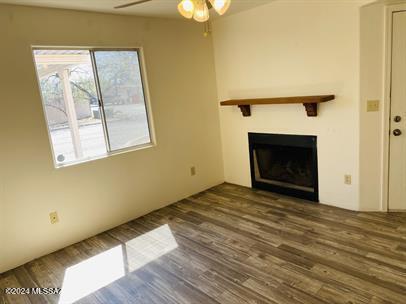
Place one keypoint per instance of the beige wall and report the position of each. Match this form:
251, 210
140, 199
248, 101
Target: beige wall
371, 123
2, 215
290, 48
98, 195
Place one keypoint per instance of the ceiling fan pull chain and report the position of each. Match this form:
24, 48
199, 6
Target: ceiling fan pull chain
207, 29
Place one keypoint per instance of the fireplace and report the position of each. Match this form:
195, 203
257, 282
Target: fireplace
285, 164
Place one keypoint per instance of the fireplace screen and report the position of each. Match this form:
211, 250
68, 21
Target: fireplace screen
285, 164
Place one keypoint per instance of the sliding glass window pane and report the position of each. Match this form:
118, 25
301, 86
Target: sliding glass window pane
71, 104
122, 92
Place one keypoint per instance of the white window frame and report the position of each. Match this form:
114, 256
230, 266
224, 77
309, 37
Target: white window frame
147, 102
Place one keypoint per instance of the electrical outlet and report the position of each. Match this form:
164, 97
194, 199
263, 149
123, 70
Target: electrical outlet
347, 179
372, 105
53, 217
193, 171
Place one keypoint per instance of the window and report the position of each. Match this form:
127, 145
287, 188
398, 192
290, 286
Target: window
94, 102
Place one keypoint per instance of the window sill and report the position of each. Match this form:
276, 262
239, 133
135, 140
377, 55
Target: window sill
107, 155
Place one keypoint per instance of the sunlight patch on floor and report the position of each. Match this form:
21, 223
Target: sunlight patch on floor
149, 246
90, 275
103, 269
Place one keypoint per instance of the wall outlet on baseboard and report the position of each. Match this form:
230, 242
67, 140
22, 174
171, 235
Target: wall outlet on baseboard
53, 217
347, 179
193, 171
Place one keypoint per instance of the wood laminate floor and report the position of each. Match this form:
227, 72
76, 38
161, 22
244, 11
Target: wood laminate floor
230, 244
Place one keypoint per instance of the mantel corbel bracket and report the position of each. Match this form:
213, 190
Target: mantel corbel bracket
245, 110
311, 109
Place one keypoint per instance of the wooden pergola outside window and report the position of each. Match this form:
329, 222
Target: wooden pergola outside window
49, 63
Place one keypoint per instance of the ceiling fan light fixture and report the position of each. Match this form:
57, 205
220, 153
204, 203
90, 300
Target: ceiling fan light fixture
201, 13
186, 8
221, 6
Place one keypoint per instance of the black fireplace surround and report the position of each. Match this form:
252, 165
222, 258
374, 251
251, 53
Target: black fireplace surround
285, 164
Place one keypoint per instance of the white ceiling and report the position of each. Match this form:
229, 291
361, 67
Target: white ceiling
155, 8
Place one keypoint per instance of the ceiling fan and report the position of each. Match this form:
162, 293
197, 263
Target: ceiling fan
196, 9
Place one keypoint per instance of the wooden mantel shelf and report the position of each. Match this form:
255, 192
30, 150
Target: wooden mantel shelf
310, 103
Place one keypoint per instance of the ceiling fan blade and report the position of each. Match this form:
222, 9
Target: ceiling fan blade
131, 4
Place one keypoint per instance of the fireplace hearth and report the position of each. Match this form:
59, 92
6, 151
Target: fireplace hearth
285, 164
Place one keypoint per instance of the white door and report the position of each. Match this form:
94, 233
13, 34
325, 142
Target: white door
397, 171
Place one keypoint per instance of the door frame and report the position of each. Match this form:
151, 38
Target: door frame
389, 11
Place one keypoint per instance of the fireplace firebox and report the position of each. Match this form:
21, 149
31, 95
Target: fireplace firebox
285, 164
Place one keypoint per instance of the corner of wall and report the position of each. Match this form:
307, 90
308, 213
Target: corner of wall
213, 55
